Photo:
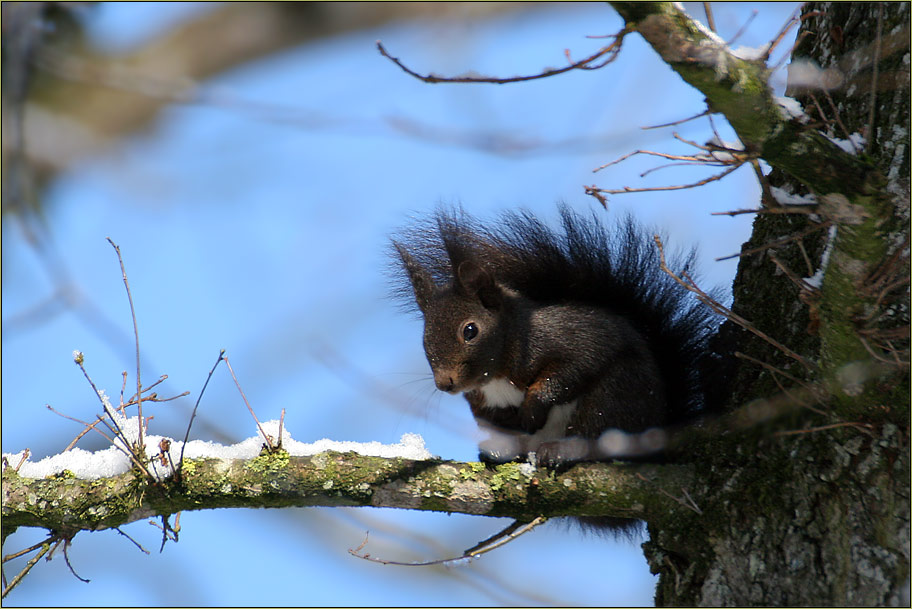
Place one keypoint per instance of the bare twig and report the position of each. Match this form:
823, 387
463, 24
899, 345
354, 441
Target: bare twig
25, 456
767, 197
180, 462
45, 548
592, 190
704, 159
894, 362
800, 283
611, 51
743, 29
811, 389
135, 543
789, 24
510, 528
781, 62
169, 533
861, 426
678, 122
718, 307
500, 539
139, 398
686, 500
10, 557
838, 118
785, 209
707, 8
260, 427
126, 451
779, 241
66, 559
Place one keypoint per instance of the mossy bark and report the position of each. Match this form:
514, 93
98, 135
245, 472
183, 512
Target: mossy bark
811, 508
64, 503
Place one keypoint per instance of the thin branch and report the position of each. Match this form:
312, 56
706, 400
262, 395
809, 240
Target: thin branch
127, 451
743, 29
687, 501
861, 426
592, 190
894, 362
502, 538
513, 526
789, 24
800, 283
611, 50
785, 209
718, 307
135, 543
66, 559
679, 122
838, 119
260, 427
767, 197
28, 567
709, 16
25, 456
779, 372
779, 241
180, 462
798, 41
701, 159
139, 398
10, 557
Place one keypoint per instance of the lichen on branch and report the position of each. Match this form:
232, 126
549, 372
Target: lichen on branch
330, 479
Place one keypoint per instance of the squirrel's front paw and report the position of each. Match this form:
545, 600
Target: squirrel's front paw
564, 452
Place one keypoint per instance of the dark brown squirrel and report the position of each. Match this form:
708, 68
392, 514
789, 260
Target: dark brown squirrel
569, 344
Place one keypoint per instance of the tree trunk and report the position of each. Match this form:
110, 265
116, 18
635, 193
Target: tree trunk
816, 518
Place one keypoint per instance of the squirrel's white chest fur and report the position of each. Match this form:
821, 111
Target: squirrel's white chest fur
501, 393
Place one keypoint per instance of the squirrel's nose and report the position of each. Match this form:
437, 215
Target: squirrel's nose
444, 382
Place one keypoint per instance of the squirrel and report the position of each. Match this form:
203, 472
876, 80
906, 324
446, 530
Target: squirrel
571, 344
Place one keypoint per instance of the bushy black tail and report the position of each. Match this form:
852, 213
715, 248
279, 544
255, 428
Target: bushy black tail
587, 263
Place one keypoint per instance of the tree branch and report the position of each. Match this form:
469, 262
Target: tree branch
738, 89
330, 479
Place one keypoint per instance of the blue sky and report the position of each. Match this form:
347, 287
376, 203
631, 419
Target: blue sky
268, 238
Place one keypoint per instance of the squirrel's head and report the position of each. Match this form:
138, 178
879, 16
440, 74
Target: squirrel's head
463, 333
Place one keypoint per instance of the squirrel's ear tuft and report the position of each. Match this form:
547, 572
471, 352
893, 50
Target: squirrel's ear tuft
422, 283
476, 282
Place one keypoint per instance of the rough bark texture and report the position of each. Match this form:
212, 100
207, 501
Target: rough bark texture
816, 518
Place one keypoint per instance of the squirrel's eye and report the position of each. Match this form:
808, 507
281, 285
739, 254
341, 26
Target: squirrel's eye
469, 331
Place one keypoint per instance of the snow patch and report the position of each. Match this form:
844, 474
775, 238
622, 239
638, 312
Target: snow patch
853, 145
816, 279
790, 108
751, 53
784, 197
113, 461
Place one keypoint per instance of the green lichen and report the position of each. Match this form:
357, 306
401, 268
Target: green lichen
269, 461
471, 472
62, 475
505, 474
